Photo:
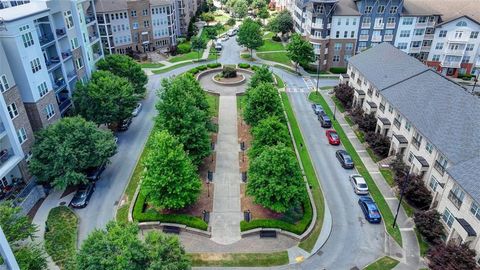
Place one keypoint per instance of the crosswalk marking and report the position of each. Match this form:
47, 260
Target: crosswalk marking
297, 90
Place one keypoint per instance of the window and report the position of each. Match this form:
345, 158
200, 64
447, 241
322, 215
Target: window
348, 46
27, 39
419, 32
35, 64
42, 89
4, 86
50, 111
347, 21
475, 210
339, 22
336, 58
433, 183
146, 24
68, 19
368, 9
21, 135
461, 23
390, 108
474, 34
404, 33
415, 44
24, 27
393, 9
391, 20
408, 125
442, 33
402, 45
407, 21
379, 22
422, 20
470, 47
381, 9
366, 20
145, 12
354, 21
410, 157
352, 34
133, 13
458, 34
79, 63
466, 59
429, 147
338, 46
135, 25
456, 195
337, 34
74, 43
448, 217
12, 110
439, 46
436, 57
345, 34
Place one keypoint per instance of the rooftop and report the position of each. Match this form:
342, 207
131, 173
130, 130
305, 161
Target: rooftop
447, 9
110, 5
466, 175
22, 11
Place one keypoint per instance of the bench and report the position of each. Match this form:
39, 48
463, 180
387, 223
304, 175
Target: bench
171, 229
268, 234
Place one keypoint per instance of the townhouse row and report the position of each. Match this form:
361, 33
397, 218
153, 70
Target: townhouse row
433, 123
442, 34
128, 26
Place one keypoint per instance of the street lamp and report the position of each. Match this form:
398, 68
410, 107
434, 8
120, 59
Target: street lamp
318, 71
475, 80
404, 185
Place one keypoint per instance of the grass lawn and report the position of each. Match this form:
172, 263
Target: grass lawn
151, 65
388, 175
374, 156
349, 120
213, 103
279, 57
339, 104
424, 246
61, 236
270, 45
374, 191
280, 82
384, 263
310, 241
239, 259
247, 56
193, 55
360, 135
170, 68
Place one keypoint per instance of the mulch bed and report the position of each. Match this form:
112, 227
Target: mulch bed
243, 136
31, 214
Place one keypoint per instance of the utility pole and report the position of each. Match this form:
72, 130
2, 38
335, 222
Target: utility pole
404, 185
318, 71
475, 80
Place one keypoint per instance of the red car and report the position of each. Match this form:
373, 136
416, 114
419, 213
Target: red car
332, 137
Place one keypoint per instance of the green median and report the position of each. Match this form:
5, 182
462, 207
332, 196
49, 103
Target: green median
239, 259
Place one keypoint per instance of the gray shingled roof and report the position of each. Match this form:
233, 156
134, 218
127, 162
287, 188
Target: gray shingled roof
466, 175
346, 8
385, 65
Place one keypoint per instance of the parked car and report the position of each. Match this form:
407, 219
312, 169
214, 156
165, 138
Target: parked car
369, 209
317, 108
359, 185
115, 138
324, 120
93, 174
225, 38
218, 46
332, 137
83, 195
344, 159
232, 32
125, 124
137, 109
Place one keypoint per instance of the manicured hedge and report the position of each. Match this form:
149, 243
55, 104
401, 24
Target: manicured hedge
338, 70
152, 215
183, 48
243, 65
197, 69
214, 65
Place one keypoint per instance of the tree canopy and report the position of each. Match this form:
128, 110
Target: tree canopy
452, 256
125, 67
170, 179
64, 150
275, 180
250, 35
283, 23
183, 112
269, 132
300, 51
240, 8
261, 75
166, 252
261, 102
106, 98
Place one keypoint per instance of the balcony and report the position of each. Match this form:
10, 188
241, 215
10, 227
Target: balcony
61, 32
52, 62
65, 104
317, 25
439, 167
456, 52
388, 38
415, 49
397, 123
421, 25
425, 48
416, 143
378, 26
71, 75
381, 107
58, 83
376, 38
391, 25
366, 25
462, 39
12, 190
67, 54
429, 36
455, 200
93, 37
46, 39
89, 18
421, 163
363, 38
451, 64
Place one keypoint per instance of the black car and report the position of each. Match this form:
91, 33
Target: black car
345, 159
93, 174
317, 109
83, 195
324, 120
125, 124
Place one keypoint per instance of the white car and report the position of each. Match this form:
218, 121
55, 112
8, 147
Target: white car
137, 109
224, 38
359, 185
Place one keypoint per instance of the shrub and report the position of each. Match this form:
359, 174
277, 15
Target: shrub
368, 122
183, 48
416, 193
344, 93
276, 38
202, 67
193, 71
255, 67
429, 225
229, 72
207, 16
231, 22
214, 65
243, 65
380, 144
452, 256
398, 166
338, 70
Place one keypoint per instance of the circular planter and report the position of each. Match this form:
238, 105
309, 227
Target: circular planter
241, 80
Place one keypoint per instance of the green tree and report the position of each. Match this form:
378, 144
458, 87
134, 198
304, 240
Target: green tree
283, 23
262, 102
15, 225
183, 112
258, 4
166, 252
300, 51
170, 179
30, 257
106, 98
198, 45
269, 132
261, 75
275, 180
240, 8
125, 67
263, 14
250, 35
64, 150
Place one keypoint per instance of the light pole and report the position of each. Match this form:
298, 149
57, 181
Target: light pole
318, 71
475, 80
404, 185
334, 110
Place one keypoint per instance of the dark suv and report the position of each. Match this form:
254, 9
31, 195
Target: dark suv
83, 195
344, 159
125, 124
324, 120
93, 174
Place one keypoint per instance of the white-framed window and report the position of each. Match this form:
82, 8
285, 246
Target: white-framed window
35, 64
393, 9
74, 43
458, 34
339, 22
381, 9
354, 21
345, 34
436, 57
433, 183
474, 34
24, 27
429, 147
475, 210
68, 19
347, 21
27, 39
439, 46
410, 157
79, 63
337, 34
135, 25
4, 86
146, 24
145, 12
408, 125
21, 135
404, 33
442, 33
419, 32
368, 9
448, 218
391, 20
348, 46
50, 111
407, 21
337, 46
42, 89
402, 45
470, 47
12, 110
336, 58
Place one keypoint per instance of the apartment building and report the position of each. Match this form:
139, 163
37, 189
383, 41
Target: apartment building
438, 139
143, 25
9, 262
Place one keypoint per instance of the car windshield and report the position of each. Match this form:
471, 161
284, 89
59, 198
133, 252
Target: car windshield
374, 213
348, 159
82, 193
334, 135
361, 185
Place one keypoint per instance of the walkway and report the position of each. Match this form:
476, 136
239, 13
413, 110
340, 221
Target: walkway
227, 214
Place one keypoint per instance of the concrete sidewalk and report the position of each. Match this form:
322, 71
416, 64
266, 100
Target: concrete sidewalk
410, 256
226, 214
